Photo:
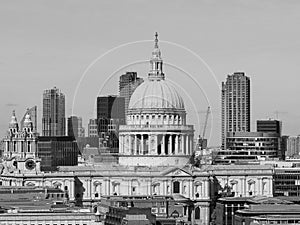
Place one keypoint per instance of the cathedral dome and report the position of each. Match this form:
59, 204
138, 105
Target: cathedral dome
156, 94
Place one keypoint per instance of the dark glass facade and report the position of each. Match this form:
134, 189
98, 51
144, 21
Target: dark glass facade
110, 114
269, 126
57, 151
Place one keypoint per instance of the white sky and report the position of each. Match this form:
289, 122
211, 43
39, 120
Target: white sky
51, 43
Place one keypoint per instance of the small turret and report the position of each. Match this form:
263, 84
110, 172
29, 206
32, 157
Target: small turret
28, 125
13, 125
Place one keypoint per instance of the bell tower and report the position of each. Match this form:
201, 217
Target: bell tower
20, 149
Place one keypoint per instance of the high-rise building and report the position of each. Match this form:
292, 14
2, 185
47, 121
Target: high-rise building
54, 119
33, 114
273, 126
127, 84
235, 105
110, 108
110, 114
93, 128
269, 125
293, 146
75, 128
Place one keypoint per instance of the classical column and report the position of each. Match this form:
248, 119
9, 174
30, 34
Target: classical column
142, 145
241, 187
170, 145
121, 144
156, 144
176, 144
71, 192
135, 144
107, 187
124, 144
88, 187
182, 144
99, 190
258, 187
130, 147
182, 187
187, 150
163, 145
270, 183
245, 187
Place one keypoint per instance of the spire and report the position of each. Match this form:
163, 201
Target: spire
156, 40
156, 51
156, 63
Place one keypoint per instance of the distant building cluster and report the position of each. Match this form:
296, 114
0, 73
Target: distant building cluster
138, 162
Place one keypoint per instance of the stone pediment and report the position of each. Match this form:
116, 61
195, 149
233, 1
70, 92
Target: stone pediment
176, 172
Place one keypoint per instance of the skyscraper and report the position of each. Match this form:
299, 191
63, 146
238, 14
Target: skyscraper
54, 119
93, 128
235, 105
127, 84
110, 114
75, 128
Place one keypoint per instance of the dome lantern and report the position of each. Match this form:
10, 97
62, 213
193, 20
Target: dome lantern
156, 63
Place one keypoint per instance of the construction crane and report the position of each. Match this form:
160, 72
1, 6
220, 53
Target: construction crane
276, 113
202, 140
206, 121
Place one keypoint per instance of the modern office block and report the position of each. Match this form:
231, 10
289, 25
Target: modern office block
54, 119
127, 84
75, 128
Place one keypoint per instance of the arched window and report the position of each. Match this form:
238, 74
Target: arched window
176, 187
197, 213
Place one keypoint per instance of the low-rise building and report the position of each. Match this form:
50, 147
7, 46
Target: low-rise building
249, 146
265, 214
226, 208
168, 210
57, 151
287, 181
40, 206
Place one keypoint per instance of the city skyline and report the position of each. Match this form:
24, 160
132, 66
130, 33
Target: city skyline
230, 37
